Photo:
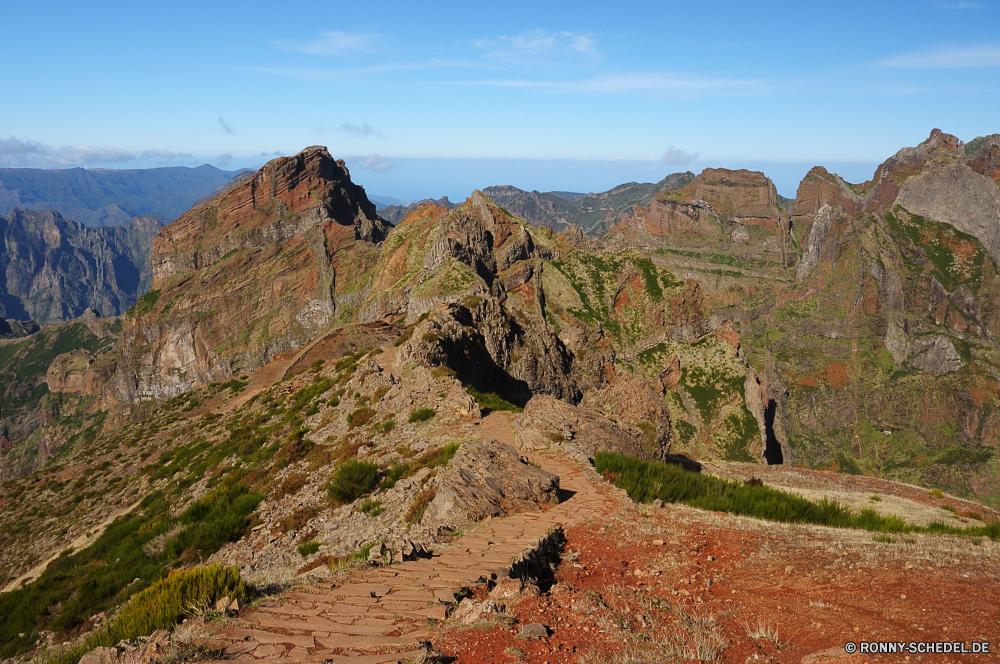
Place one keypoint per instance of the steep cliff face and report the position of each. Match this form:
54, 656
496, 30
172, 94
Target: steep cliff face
885, 352
256, 271
53, 269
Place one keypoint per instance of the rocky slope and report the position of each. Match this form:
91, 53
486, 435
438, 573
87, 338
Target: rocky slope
252, 273
48, 380
882, 359
53, 269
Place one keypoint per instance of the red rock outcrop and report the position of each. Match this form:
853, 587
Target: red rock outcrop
745, 197
256, 271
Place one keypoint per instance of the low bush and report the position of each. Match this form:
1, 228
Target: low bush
393, 474
352, 479
359, 556
421, 415
308, 548
490, 402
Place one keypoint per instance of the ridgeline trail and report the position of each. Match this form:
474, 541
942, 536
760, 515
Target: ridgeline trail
381, 614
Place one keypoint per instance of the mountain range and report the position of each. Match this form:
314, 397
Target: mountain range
104, 197
290, 332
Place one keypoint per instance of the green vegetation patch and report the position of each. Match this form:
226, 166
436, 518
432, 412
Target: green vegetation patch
421, 415
163, 604
143, 545
436, 458
648, 480
452, 278
741, 431
489, 402
144, 305
957, 258
710, 388
352, 479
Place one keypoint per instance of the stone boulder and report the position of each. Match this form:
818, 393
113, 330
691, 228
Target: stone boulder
631, 401
489, 479
548, 422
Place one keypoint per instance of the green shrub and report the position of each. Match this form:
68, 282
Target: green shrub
875, 498
359, 556
490, 402
306, 549
163, 604
371, 507
420, 415
384, 427
434, 458
443, 372
352, 480
936, 493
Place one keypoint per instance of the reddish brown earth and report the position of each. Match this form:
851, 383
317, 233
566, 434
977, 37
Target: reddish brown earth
818, 588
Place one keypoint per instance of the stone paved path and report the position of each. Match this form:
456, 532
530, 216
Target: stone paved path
381, 615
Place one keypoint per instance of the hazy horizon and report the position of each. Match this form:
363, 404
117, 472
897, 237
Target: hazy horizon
560, 91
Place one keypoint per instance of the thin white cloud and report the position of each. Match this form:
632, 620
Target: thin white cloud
677, 156
17, 153
224, 159
363, 129
964, 4
268, 155
225, 127
537, 46
334, 42
164, 154
372, 162
957, 57
680, 85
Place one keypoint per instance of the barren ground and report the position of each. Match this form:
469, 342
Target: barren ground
673, 584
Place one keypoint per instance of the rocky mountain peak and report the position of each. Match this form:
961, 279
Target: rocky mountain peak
282, 199
258, 270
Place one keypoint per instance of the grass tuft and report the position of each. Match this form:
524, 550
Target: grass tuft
421, 415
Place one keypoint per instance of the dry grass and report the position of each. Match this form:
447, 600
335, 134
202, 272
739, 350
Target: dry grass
760, 629
666, 631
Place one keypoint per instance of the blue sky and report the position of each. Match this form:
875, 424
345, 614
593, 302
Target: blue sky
425, 99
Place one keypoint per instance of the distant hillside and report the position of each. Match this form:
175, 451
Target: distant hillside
395, 213
53, 269
593, 213
104, 197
